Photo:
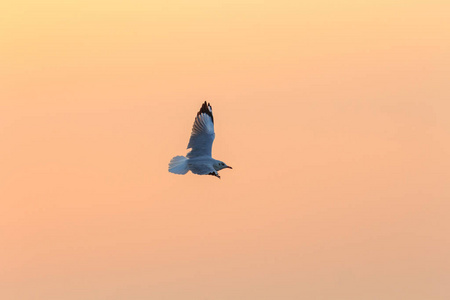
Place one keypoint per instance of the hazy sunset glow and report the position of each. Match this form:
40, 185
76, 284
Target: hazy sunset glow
334, 115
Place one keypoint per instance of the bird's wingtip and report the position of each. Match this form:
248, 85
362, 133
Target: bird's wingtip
206, 109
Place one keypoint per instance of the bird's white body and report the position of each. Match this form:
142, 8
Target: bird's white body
199, 160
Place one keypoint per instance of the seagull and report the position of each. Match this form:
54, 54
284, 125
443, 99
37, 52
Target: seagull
199, 160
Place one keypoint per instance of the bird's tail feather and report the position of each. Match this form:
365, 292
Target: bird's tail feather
178, 165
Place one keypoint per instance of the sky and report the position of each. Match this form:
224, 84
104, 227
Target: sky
333, 114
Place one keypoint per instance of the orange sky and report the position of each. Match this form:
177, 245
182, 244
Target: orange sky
333, 114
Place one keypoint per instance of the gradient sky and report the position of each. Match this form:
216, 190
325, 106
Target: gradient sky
335, 116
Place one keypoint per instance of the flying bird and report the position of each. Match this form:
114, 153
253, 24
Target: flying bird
199, 160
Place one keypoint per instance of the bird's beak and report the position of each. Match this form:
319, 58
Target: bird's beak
229, 167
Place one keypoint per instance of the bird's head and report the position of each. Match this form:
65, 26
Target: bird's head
219, 165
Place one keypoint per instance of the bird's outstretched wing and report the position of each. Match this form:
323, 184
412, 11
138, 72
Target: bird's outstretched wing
202, 135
